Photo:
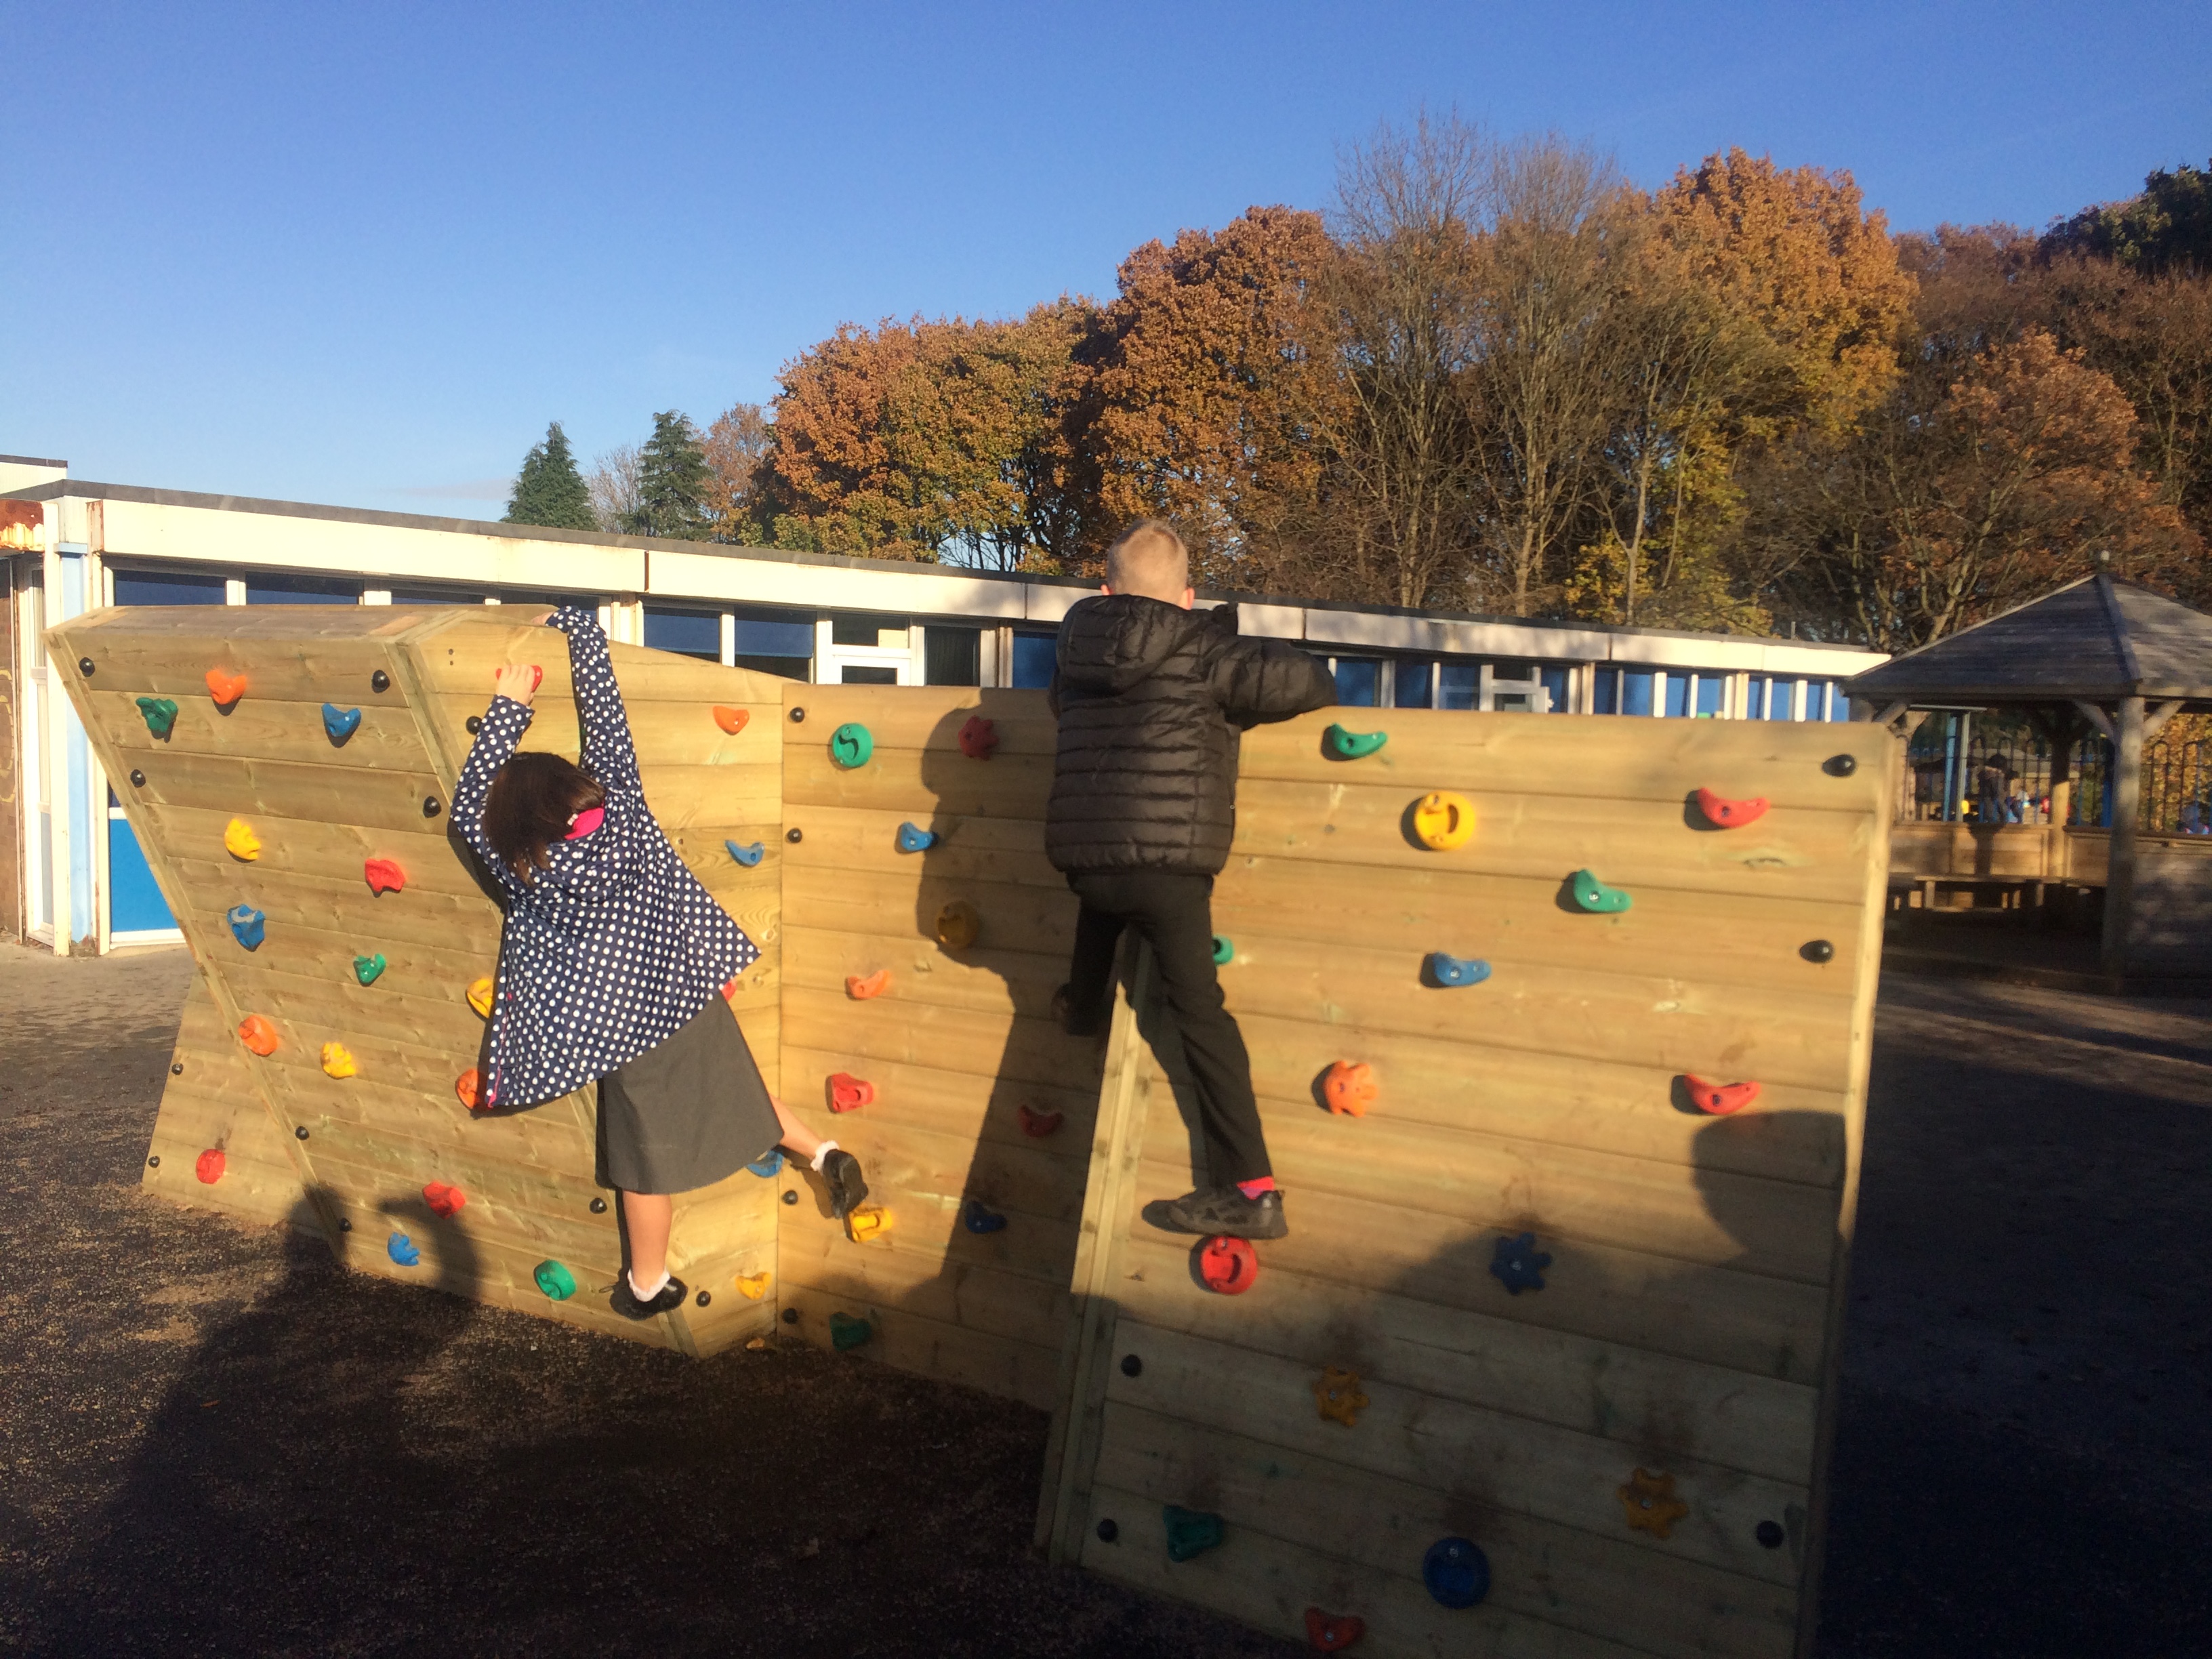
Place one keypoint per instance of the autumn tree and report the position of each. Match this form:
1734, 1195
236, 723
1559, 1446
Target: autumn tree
735, 446
672, 481
549, 490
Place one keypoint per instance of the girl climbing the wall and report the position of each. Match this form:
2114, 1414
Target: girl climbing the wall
611, 968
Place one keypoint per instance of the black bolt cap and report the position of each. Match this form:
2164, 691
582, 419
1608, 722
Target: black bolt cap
599, 1206
793, 837
704, 1298
791, 1316
1131, 1366
797, 715
344, 1226
1817, 949
138, 779
1108, 1532
379, 681
177, 1068
84, 665
1840, 766
1770, 1534
155, 1162
474, 723
302, 1132
430, 808
790, 1196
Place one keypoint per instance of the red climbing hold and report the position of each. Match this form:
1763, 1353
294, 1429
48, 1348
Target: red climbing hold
226, 689
848, 1093
1332, 1632
978, 738
259, 1035
1719, 1098
861, 987
1730, 814
1349, 1087
1039, 1124
383, 876
443, 1199
465, 1086
729, 990
1228, 1264
209, 1169
731, 720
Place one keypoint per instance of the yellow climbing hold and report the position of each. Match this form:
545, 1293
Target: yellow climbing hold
752, 1287
239, 840
337, 1060
480, 996
1443, 821
868, 1222
957, 925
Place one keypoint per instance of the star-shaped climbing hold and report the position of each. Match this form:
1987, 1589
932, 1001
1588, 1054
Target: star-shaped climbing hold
1336, 1391
1519, 1264
1650, 1503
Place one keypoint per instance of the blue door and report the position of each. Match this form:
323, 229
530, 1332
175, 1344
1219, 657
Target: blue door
135, 904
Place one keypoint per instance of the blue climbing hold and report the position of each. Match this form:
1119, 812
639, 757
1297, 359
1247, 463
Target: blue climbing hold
978, 1220
1519, 1264
748, 856
401, 1249
769, 1167
340, 723
911, 839
247, 925
1456, 970
1456, 1571
1190, 1532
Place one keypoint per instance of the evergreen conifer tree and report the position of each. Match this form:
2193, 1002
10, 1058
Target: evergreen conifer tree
549, 490
672, 481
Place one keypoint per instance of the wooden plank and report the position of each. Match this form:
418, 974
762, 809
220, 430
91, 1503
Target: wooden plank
386, 739
1009, 850
307, 849
209, 1101
924, 1176
1027, 1051
906, 781
927, 1347
922, 972
1037, 919
388, 801
970, 1104
916, 717
1001, 1298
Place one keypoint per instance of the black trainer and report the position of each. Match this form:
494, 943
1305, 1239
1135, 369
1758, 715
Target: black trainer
1216, 1212
842, 1171
670, 1298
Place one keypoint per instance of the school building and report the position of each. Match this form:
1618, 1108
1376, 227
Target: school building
72, 877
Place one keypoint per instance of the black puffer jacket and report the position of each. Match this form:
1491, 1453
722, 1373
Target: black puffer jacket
1150, 699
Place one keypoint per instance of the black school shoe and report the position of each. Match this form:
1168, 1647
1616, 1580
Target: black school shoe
842, 1171
668, 1300
1221, 1211
1075, 1024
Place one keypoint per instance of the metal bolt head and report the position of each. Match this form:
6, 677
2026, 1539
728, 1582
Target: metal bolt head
1131, 1366
302, 1132
797, 715
379, 681
155, 1162
790, 1196
599, 1206
474, 723
1817, 949
430, 807
1840, 766
793, 837
138, 779
177, 1068
703, 1297
84, 666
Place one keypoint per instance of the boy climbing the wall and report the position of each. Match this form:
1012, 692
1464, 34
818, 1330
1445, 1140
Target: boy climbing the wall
1151, 698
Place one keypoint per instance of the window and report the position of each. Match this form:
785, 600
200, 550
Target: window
138, 587
688, 632
952, 656
1555, 684
1459, 685
856, 674
1034, 658
1711, 688
775, 642
300, 590
1824, 701
1359, 682
439, 596
1412, 689
1624, 690
869, 631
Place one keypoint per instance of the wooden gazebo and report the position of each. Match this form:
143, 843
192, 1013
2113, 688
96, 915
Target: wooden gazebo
2100, 652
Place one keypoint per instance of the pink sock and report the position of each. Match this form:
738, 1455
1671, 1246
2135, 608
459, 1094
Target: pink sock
1253, 1188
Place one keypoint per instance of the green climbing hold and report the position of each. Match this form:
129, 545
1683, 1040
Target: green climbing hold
1190, 1532
847, 1331
555, 1281
850, 745
1224, 951
365, 968
1351, 745
1595, 897
160, 714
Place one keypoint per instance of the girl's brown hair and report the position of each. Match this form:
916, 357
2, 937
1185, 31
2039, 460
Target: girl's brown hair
529, 807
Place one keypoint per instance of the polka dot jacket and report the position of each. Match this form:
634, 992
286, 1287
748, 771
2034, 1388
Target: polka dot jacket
616, 945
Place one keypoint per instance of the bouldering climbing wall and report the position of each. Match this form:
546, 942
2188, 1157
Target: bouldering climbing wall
1564, 1079
288, 771
923, 936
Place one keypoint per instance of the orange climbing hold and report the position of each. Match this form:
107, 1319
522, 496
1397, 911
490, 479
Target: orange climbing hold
1328, 1633
731, 720
1349, 1087
469, 1088
383, 876
224, 687
860, 987
978, 738
480, 996
443, 1200
1650, 1503
1336, 1391
259, 1035
1228, 1264
1720, 1099
338, 1060
848, 1093
1730, 814
209, 1166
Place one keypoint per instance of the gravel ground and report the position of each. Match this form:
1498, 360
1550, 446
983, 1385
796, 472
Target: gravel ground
212, 1442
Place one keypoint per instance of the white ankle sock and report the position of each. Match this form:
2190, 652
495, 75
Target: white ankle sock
820, 1152
645, 1295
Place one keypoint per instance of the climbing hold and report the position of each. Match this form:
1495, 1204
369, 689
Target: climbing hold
768, 1165
1817, 951
957, 924
1593, 895
731, 720
848, 1093
340, 723
1443, 821
479, 994
1519, 1264
160, 714
1457, 1572
752, 1287
1224, 951
1648, 1502
1036, 1124
912, 840
339, 1061
850, 745
1770, 1534
979, 1219
1332, 1632
383, 876
555, 1280
401, 1249
365, 968
861, 987
1349, 1087
1341, 745
847, 1332
978, 738
750, 856
1729, 814
247, 925
1719, 1099
1336, 1391
1190, 1532
870, 1221
443, 1200
257, 1034
209, 1166
1449, 970
730, 989
225, 688
468, 1087
1228, 1264
239, 840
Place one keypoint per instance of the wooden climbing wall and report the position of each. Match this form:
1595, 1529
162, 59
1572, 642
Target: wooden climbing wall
959, 1043
1690, 1264
385, 974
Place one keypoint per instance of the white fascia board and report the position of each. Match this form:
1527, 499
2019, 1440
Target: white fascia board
1046, 602
1796, 660
1750, 655
1444, 636
926, 591
148, 530
1271, 621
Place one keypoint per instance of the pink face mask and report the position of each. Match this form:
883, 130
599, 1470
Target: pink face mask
585, 822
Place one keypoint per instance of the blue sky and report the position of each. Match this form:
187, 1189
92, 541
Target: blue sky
361, 255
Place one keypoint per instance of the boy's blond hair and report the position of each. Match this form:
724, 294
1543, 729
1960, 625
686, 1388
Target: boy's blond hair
1149, 558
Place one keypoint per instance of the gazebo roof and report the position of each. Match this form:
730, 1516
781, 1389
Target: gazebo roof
2095, 641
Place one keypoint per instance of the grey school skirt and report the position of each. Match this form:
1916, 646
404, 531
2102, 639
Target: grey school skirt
687, 1112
